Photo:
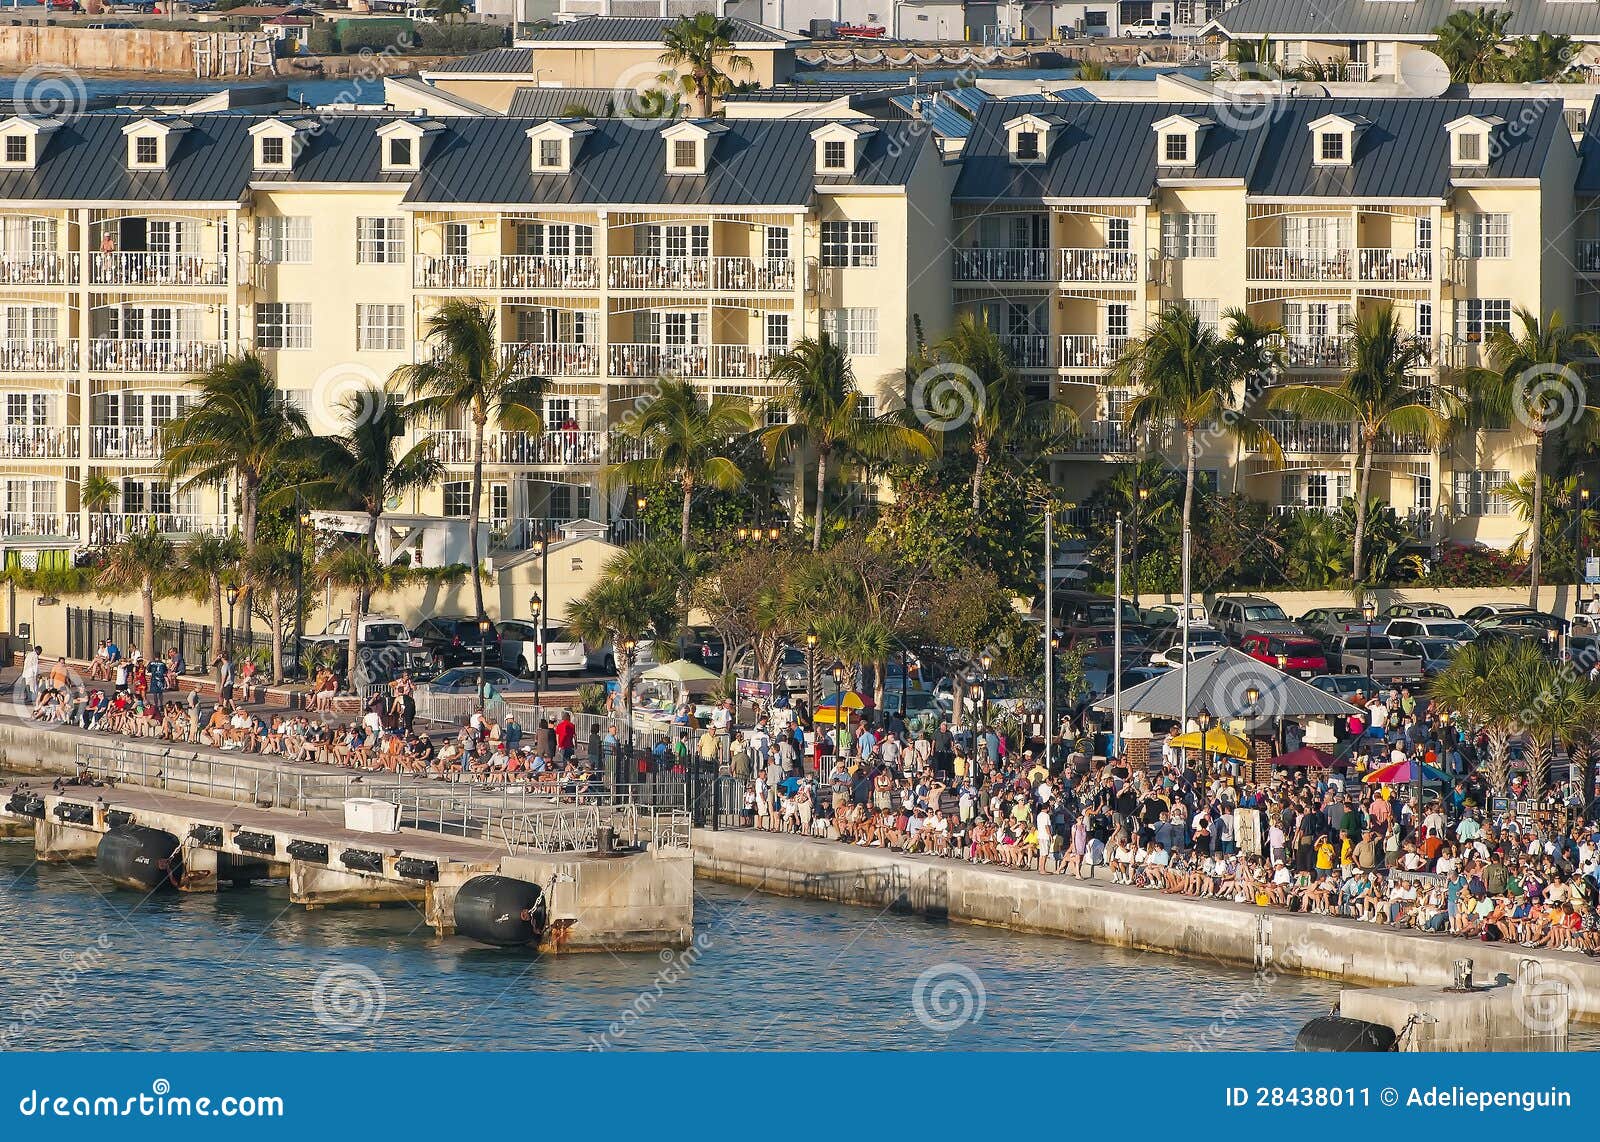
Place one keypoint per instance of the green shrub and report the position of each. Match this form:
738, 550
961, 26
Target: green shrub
447, 39
592, 698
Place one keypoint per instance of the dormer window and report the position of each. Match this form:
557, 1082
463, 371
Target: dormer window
146, 151
16, 149
690, 144
1180, 139
685, 154
550, 154
1029, 137
1469, 148
1330, 147
838, 147
1472, 139
1027, 145
555, 144
273, 152
25, 136
1175, 149
403, 142
835, 156
400, 152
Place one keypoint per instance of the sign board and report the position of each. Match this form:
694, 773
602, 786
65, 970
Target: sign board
1591, 569
1498, 808
752, 691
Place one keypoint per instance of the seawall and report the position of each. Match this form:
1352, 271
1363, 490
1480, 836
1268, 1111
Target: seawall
1238, 935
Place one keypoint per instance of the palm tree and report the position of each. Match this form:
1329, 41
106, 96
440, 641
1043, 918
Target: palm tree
1480, 681
1190, 375
1141, 489
1539, 59
209, 559
467, 375
97, 492
684, 440
702, 45
360, 467
352, 567
1378, 395
1531, 378
274, 568
140, 562
1469, 43
826, 415
236, 427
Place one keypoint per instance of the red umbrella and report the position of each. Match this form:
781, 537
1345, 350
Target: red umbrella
1303, 757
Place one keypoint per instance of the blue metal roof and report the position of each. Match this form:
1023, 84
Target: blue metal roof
941, 117
1075, 95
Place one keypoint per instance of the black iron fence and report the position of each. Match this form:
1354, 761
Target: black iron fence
87, 627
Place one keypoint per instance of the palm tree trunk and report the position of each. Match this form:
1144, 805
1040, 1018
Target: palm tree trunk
249, 508
688, 501
1133, 546
218, 639
1188, 494
372, 545
977, 477
822, 487
1536, 531
277, 634
1358, 565
147, 595
480, 421
351, 650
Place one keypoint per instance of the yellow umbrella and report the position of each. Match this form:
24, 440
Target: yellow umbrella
1217, 740
838, 707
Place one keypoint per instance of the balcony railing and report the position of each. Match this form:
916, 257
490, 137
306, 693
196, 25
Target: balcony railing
121, 442
524, 532
39, 524
39, 269
1027, 350
1292, 264
455, 271
740, 362
536, 271
1587, 252
110, 527
554, 358
768, 274
1328, 352
635, 272
155, 356
1376, 264
1002, 265
1098, 265
157, 269
557, 446
649, 361
1325, 437
1096, 436
1088, 351
39, 442
32, 356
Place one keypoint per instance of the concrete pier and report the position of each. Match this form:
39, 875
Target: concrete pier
1529, 1013
1241, 935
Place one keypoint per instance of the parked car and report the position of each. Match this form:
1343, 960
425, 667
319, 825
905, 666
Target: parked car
1167, 615
1534, 623
1345, 685
564, 652
1373, 656
1293, 654
1094, 638
384, 647
1087, 609
1148, 30
1166, 649
1418, 611
1434, 652
1325, 622
1492, 610
604, 656
1239, 615
1452, 629
454, 640
464, 680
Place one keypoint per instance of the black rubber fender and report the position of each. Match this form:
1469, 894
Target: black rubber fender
1336, 1033
500, 911
135, 856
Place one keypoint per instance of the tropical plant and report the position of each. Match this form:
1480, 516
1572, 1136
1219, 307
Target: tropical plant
208, 560
701, 46
1531, 378
1144, 491
1316, 552
1379, 395
97, 492
276, 570
1469, 42
1473, 684
1566, 514
140, 562
464, 374
826, 416
1538, 59
684, 441
1093, 71
1384, 537
352, 567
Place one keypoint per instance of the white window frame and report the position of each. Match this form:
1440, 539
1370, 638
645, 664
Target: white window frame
283, 325
380, 241
1189, 235
380, 327
283, 240
854, 328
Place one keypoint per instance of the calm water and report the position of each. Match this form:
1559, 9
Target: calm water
90, 966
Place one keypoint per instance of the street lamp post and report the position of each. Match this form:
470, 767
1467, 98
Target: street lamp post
985, 661
627, 690
536, 609
1369, 614
1577, 551
838, 710
811, 674
1204, 721
227, 642
484, 627
543, 665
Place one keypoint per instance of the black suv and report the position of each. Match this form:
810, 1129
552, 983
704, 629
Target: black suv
455, 641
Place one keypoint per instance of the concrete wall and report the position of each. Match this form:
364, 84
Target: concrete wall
128, 49
1129, 918
631, 902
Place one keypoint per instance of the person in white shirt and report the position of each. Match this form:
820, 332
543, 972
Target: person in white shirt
1041, 824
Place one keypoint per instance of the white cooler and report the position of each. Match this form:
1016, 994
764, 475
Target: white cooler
370, 815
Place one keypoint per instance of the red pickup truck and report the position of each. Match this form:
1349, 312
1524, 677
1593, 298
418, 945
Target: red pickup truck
1294, 654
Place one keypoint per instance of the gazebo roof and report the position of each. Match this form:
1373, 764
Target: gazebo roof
1220, 683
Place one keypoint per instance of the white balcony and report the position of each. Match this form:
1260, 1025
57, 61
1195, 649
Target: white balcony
39, 524
634, 272
537, 271
1326, 437
110, 527
555, 446
1327, 352
1376, 264
554, 358
770, 275
1587, 253
1095, 437
39, 269
1098, 265
117, 356
35, 356
1027, 350
1088, 351
39, 442
1002, 265
150, 268
121, 442
455, 271
733, 362
1292, 264
524, 532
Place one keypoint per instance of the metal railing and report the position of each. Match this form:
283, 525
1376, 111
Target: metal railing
767, 274
37, 356
1027, 350
39, 269
154, 268
524, 532
118, 355
1089, 351
1329, 352
121, 442
1586, 251
1098, 264
1101, 436
110, 527
542, 271
648, 272
1002, 264
183, 769
454, 271
39, 442
1295, 264
554, 358
1384, 265
39, 524
558, 446
650, 361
